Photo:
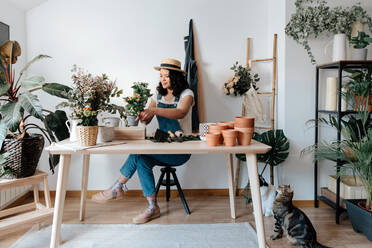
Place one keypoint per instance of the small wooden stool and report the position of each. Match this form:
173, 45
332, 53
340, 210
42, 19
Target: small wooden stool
22, 215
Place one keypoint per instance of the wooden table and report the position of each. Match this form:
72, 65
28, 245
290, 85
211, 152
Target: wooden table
148, 147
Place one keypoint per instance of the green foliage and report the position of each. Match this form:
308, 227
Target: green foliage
314, 18
279, 147
361, 41
137, 102
241, 82
360, 83
21, 103
88, 91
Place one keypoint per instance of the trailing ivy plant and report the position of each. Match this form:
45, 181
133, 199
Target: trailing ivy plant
314, 18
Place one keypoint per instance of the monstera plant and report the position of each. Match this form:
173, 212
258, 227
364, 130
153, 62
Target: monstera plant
279, 148
18, 104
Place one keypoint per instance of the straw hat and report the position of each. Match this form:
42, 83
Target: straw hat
170, 64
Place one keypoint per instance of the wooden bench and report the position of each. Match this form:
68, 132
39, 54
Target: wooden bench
27, 214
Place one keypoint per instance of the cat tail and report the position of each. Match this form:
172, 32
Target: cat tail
317, 245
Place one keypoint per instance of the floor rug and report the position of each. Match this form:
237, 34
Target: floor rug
234, 235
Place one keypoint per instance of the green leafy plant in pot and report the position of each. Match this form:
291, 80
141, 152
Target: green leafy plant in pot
353, 153
89, 96
21, 111
360, 43
137, 102
360, 87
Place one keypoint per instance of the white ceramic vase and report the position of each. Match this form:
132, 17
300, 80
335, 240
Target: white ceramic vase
71, 126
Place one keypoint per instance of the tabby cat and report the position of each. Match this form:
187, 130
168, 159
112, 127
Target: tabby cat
296, 224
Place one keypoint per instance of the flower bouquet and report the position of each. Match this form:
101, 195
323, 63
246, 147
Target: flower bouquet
241, 82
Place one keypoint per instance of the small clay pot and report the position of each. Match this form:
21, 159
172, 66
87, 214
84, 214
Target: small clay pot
229, 124
245, 137
243, 121
219, 132
216, 127
229, 137
213, 139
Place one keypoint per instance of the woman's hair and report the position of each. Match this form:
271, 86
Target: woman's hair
178, 83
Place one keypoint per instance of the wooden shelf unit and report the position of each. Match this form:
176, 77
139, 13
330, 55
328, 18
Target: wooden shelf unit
26, 214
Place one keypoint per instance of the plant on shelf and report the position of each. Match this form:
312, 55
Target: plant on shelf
360, 86
353, 153
314, 18
19, 106
241, 82
361, 41
137, 102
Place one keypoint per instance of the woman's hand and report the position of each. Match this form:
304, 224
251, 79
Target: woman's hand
147, 115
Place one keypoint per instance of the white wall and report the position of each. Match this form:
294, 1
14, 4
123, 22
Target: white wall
125, 39
15, 18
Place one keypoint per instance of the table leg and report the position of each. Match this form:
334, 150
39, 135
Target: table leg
256, 198
230, 176
64, 167
84, 186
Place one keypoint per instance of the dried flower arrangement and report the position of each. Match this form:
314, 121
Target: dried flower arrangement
241, 82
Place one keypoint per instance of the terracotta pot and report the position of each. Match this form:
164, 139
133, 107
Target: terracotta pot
242, 121
244, 137
219, 132
213, 139
229, 137
216, 127
229, 124
361, 101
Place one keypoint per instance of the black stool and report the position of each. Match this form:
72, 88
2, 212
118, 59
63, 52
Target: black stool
167, 170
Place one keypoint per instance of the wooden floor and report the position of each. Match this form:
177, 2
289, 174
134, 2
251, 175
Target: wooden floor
205, 210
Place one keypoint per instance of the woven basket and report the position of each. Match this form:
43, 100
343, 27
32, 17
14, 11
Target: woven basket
87, 135
24, 154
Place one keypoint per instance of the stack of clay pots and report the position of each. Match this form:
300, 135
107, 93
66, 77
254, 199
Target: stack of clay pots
245, 127
229, 132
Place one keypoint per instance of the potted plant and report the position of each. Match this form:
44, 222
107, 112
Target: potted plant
314, 18
360, 87
360, 43
354, 153
241, 82
136, 103
89, 96
18, 107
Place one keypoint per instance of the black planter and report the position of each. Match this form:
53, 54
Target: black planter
361, 219
24, 154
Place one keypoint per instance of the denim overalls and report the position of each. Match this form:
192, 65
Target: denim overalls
144, 163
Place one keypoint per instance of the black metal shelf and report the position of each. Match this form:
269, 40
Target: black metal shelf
329, 202
339, 66
345, 64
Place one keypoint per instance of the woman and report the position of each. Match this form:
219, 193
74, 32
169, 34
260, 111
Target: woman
172, 108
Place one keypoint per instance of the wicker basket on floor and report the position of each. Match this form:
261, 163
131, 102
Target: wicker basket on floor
87, 135
24, 154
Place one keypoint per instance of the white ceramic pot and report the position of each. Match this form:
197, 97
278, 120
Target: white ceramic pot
359, 54
111, 121
105, 134
131, 120
339, 47
71, 126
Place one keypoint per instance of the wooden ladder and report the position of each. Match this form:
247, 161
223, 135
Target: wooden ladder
249, 62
